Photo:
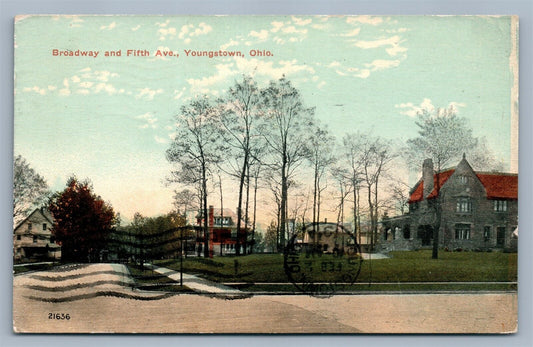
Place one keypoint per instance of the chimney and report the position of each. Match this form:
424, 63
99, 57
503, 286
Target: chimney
427, 176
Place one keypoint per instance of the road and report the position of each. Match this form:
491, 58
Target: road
98, 299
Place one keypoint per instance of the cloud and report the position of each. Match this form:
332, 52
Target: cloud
108, 27
65, 91
261, 35
149, 121
160, 140
390, 41
364, 20
148, 93
351, 33
254, 67
36, 89
229, 44
166, 32
300, 21
393, 41
380, 64
162, 25
179, 93
276, 26
188, 31
411, 110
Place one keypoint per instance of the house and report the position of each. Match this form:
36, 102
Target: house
33, 240
479, 211
327, 238
222, 224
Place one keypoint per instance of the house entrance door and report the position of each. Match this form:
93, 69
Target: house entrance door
425, 234
500, 236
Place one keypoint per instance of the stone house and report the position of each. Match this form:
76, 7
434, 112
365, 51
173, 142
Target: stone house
33, 240
479, 210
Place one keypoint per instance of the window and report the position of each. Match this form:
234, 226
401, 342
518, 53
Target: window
18, 238
463, 179
464, 205
44, 226
486, 233
29, 226
462, 231
34, 239
500, 205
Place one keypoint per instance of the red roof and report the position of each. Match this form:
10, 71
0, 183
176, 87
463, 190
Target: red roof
418, 193
500, 186
497, 185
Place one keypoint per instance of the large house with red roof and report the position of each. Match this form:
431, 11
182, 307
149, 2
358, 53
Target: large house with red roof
223, 240
479, 210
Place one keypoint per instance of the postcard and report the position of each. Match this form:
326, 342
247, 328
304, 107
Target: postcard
265, 174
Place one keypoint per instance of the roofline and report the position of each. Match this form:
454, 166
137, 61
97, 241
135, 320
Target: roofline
31, 214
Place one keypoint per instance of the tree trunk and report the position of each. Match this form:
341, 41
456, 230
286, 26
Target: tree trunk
206, 217
283, 212
255, 210
245, 250
239, 206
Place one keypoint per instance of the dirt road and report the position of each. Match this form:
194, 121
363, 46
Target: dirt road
98, 298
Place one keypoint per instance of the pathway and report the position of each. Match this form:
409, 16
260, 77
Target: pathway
195, 283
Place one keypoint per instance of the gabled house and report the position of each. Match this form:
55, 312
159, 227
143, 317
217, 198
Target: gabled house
33, 240
223, 238
479, 210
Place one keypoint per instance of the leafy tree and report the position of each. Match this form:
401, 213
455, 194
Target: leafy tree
29, 188
442, 137
82, 221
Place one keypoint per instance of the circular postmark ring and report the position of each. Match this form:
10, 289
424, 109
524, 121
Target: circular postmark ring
323, 259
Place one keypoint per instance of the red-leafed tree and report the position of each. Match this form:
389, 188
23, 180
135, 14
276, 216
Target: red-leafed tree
82, 222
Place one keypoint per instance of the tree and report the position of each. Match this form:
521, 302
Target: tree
241, 109
82, 221
376, 154
185, 200
29, 189
196, 150
442, 137
285, 131
320, 157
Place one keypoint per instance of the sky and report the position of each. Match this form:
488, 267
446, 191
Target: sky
111, 118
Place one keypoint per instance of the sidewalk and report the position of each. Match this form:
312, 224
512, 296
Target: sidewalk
195, 283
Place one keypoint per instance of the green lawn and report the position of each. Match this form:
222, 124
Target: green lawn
402, 267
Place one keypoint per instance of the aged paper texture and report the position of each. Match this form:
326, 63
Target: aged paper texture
265, 174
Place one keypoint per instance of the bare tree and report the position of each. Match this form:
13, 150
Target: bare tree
399, 194
376, 154
185, 200
29, 188
238, 122
285, 131
320, 158
196, 149
442, 137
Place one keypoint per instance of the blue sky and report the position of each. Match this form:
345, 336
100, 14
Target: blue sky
110, 119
